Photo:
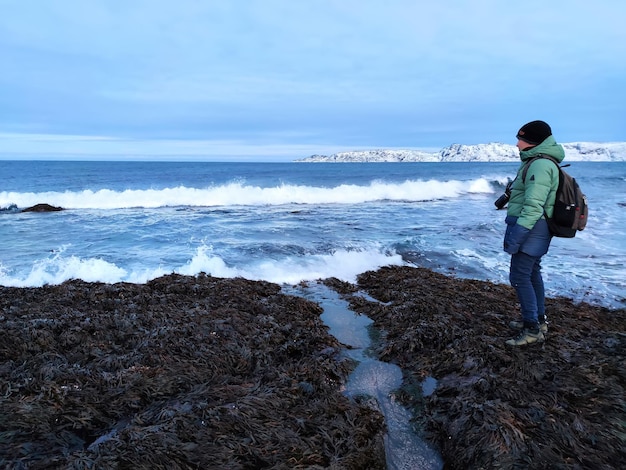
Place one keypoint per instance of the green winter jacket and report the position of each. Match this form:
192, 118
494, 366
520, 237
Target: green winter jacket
537, 192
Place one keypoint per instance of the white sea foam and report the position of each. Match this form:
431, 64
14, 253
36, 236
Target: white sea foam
489, 262
58, 268
237, 193
342, 264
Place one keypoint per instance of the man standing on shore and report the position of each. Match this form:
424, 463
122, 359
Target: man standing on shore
527, 236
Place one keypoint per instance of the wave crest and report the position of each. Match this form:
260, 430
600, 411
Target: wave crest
239, 194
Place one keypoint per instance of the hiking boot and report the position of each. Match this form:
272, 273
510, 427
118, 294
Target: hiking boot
519, 325
527, 337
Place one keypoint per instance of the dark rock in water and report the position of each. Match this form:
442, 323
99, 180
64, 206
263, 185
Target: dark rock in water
182, 372
42, 208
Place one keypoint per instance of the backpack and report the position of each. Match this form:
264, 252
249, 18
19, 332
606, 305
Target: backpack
570, 207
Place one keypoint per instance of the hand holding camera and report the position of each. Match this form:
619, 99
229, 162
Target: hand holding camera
502, 200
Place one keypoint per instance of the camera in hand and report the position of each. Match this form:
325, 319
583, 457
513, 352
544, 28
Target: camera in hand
502, 200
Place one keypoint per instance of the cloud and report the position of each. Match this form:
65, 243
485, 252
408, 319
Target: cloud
78, 147
366, 71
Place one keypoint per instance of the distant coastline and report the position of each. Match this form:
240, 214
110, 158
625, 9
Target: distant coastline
493, 152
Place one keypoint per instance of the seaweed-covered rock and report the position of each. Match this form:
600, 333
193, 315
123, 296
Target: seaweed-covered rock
558, 405
182, 372
200, 372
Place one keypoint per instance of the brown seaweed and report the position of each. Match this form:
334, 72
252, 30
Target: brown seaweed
182, 372
200, 372
558, 405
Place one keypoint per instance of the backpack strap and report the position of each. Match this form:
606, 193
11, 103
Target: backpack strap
541, 155
547, 157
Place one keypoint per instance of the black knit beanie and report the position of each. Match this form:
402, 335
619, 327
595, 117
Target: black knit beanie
534, 132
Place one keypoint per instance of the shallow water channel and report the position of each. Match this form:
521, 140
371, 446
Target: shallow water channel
403, 447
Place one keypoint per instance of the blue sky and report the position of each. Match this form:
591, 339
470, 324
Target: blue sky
284, 79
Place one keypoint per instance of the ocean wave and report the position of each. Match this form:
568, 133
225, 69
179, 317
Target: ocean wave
342, 264
239, 194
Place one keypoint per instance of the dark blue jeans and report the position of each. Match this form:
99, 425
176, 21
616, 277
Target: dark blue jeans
525, 277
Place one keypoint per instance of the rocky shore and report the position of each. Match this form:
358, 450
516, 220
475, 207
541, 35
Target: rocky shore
558, 405
201, 372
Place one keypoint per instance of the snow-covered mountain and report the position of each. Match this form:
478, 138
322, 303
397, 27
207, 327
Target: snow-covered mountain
494, 152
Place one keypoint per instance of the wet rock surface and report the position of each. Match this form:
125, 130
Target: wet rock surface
557, 405
182, 372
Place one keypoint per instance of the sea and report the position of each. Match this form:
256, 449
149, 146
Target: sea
292, 222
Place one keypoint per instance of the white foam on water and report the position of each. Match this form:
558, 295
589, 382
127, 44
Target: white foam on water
238, 193
59, 267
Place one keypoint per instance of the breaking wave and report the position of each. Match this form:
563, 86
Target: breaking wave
236, 193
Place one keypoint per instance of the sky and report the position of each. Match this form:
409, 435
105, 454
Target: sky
284, 79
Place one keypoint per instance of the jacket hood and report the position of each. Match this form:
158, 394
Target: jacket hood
547, 147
